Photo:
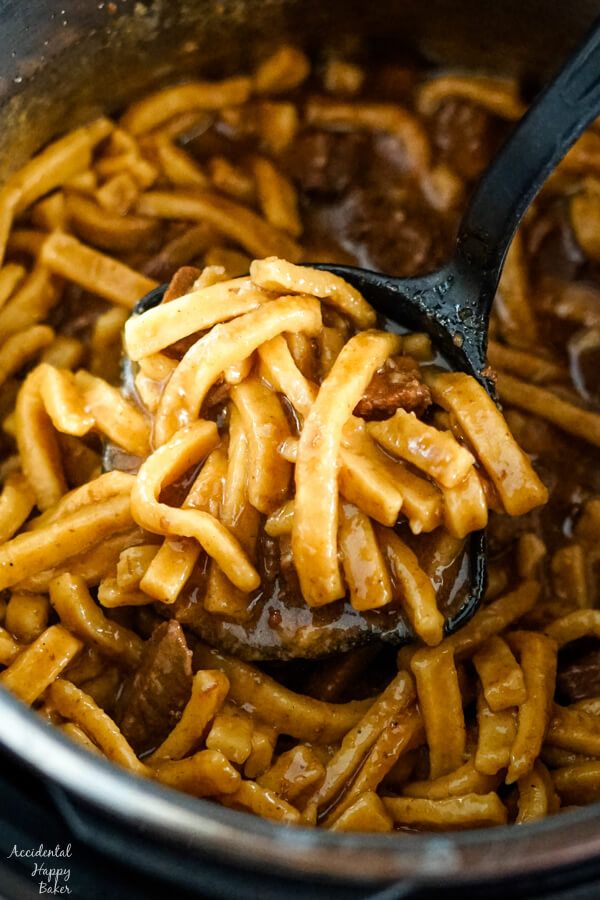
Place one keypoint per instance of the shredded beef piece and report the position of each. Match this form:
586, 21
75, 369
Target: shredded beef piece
466, 135
580, 677
503, 530
180, 348
393, 82
553, 251
158, 690
396, 385
290, 585
392, 231
217, 395
181, 283
325, 163
268, 558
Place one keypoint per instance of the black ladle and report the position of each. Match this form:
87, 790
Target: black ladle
453, 303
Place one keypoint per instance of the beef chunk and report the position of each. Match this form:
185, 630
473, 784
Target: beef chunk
290, 584
396, 385
158, 690
392, 231
325, 163
504, 531
394, 82
579, 678
181, 283
268, 558
552, 247
466, 135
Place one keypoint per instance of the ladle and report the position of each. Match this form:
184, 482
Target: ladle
453, 306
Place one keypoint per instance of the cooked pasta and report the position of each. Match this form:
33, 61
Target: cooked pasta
278, 473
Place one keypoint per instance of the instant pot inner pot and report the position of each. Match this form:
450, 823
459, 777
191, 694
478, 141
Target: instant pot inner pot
60, 64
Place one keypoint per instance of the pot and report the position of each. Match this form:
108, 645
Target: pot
63, 63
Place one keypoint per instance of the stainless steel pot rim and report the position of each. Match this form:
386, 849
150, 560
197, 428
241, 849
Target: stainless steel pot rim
568, 839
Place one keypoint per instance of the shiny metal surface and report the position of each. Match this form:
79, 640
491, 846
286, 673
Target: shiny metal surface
199, 827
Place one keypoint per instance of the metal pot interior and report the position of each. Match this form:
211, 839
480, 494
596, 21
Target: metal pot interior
63, 63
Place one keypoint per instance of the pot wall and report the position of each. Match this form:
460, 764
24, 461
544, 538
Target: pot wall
64, 62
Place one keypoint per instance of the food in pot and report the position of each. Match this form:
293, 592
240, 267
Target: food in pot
275, 456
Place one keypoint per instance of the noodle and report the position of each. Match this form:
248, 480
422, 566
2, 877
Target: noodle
276, 475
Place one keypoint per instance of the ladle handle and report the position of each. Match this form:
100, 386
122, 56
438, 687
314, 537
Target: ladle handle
557, 117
